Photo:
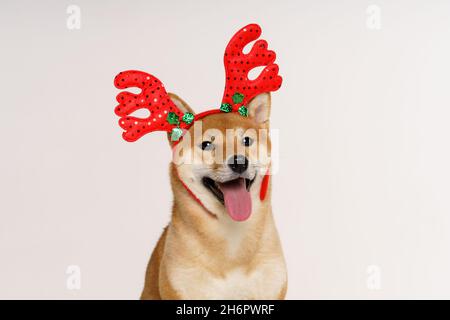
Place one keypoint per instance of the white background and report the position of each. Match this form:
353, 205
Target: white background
363, 119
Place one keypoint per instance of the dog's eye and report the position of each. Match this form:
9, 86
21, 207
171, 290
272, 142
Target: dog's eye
207, 145
247, 141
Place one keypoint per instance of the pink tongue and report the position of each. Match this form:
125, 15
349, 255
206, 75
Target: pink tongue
237, 199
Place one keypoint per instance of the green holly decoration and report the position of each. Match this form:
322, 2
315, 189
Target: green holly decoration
225, 107
188, 118
243, 111
176, 134
173, 118
237, 97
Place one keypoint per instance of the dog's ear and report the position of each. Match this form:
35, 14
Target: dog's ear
182, 105
259, 108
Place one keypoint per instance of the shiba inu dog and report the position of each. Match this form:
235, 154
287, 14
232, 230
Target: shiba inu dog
221, 242
226, 246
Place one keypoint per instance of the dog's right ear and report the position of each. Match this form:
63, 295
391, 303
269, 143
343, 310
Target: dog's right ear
182, 105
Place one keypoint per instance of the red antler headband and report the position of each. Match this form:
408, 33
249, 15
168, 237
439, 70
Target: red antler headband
164, 114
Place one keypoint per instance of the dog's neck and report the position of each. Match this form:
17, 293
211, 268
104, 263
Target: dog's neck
216, 235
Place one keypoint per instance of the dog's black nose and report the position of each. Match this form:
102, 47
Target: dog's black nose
238, 163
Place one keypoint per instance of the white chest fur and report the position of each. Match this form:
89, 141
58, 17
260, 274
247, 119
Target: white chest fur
193, 273
266, 281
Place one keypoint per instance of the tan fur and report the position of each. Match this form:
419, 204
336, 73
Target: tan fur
203, 253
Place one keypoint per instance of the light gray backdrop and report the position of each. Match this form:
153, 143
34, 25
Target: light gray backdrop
361, 198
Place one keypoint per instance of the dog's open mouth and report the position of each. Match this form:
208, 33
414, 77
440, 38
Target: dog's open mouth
234, 195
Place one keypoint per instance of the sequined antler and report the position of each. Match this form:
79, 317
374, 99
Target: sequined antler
164, 114
239, 89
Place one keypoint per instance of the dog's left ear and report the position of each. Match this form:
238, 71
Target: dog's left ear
259, 108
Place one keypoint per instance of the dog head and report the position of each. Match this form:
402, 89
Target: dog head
223, 158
